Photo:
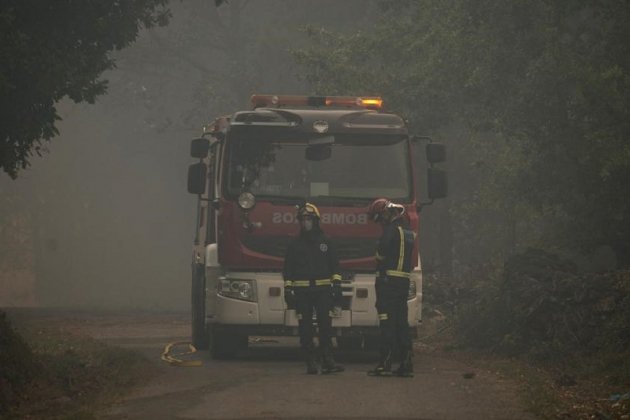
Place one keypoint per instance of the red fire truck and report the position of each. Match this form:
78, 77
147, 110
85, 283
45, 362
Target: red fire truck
255, 166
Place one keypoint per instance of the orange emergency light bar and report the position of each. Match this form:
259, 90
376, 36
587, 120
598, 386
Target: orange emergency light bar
372, 102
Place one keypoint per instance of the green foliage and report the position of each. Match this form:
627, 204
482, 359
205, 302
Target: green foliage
46, 373
53, 50
17, 364
537, 94
81, 369
543, 308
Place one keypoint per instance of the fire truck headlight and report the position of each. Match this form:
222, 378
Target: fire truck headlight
238, 289
412, 290
244, 290
246, 200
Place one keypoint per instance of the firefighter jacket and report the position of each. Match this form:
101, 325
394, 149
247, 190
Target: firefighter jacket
395, 249
311, 260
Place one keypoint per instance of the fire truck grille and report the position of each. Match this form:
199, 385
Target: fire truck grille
276, 246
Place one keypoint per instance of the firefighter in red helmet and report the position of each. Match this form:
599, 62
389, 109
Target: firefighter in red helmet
312, 282
394, 264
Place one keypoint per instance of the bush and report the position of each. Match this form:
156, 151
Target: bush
17, 364
542, 306
51, 373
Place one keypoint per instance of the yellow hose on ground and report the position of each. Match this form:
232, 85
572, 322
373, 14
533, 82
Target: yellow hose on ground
174, 360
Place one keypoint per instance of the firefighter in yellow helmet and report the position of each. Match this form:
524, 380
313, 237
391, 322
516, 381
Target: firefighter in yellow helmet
312, 283
394, 257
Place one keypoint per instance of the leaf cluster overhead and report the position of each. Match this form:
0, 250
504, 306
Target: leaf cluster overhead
52, 50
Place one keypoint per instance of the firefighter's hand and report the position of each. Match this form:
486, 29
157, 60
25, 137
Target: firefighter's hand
337, 294
289, 297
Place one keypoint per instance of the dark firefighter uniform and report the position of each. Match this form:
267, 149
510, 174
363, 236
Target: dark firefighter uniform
394, 257
311, 284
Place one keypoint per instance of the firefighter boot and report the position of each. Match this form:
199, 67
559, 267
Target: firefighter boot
312, 367
384, 367
328, 363
405, 369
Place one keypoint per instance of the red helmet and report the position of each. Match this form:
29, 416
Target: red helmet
377, 209
380, 207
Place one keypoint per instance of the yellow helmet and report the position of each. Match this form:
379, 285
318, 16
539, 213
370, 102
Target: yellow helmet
308, 209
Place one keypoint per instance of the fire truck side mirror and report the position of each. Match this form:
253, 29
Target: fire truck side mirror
199, 148
437, 183
436, 152
197, 178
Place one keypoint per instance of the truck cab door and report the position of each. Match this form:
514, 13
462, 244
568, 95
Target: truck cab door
212, 268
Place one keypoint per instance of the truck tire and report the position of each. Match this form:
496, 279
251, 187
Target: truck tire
225, 345
198, 308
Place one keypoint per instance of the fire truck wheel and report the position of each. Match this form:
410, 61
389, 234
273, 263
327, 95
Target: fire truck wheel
225, 345
198, 308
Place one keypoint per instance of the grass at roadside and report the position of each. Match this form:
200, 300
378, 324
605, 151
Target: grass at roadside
557, 391
535, 385
576, 387
74, 376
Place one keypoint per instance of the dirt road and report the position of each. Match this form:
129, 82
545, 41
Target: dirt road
268, 380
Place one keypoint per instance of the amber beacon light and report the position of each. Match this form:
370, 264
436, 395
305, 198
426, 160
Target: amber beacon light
280, 101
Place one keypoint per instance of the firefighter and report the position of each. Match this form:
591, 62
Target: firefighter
394, 264
312, 283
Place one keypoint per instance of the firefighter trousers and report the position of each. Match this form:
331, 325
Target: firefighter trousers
391, 305
314, 300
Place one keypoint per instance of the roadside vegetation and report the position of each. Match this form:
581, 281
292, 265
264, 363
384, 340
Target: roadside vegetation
53, 374
563, 335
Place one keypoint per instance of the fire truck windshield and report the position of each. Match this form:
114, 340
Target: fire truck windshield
358, 167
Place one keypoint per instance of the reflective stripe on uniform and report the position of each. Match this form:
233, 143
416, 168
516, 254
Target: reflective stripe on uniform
336, 277
301, 283
401, 252
307, 283
396, 273
288, 283
382, 317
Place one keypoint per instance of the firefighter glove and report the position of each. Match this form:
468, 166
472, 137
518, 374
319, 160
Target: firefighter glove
289, 297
